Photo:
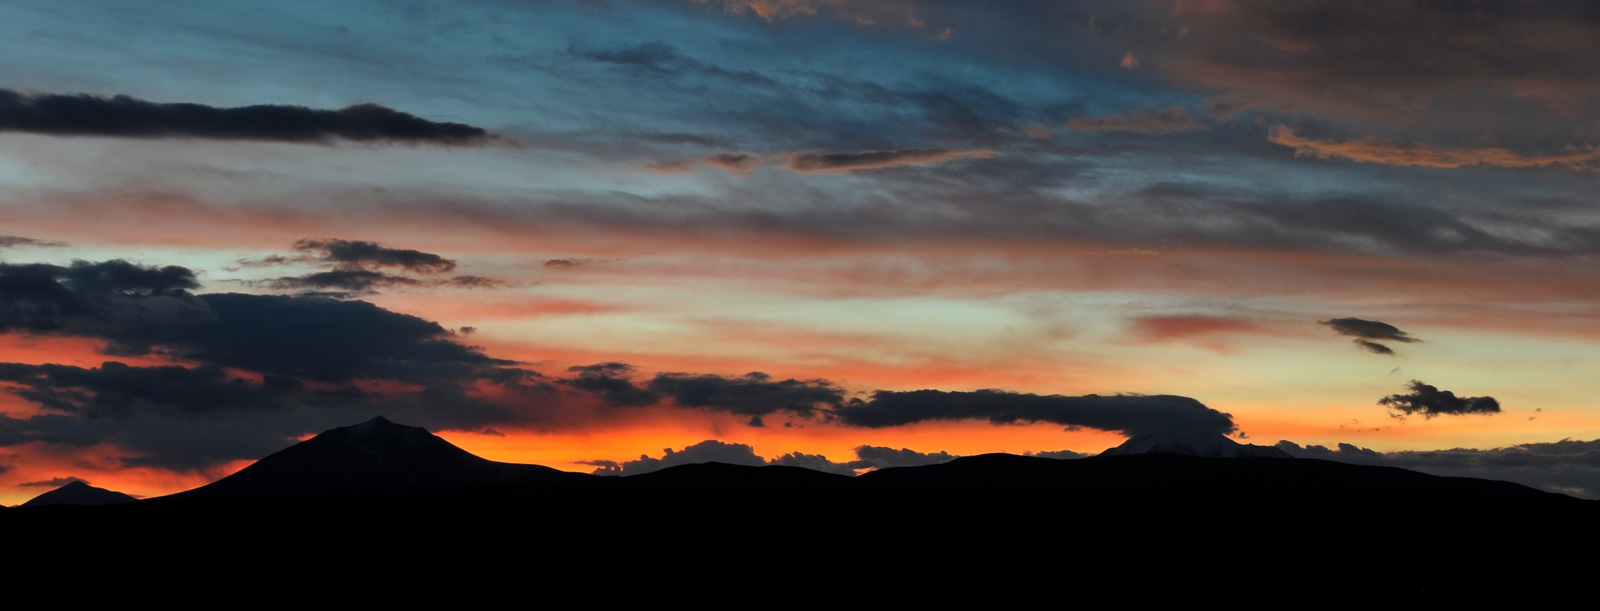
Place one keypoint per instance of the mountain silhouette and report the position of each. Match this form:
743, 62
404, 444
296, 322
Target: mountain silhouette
1193, 444
79, 493
374, 455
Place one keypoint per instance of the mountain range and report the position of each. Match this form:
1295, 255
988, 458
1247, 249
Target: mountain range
380, 494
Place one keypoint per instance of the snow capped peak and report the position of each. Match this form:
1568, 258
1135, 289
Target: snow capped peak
1192, 444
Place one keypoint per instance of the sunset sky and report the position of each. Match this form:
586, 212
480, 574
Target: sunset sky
844, 234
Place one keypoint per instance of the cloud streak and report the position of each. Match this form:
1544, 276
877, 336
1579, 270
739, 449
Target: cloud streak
806, 163
126, 117
1373, 150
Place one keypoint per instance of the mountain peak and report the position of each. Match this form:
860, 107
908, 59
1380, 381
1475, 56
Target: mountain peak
1192, 444
79, 492
377, 453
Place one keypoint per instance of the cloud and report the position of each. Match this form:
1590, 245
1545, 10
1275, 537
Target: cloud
1566, 466
1128, 414
1374, 347
867, 457
814, 462
369, 254
859, 12
1373, 150
706, 451
91, 298
343, 281
614, 383
1413, 64
736, 163
1059, 454
880, 457
125, 117
1165, 120
566, 263
1366, 330
11, 241
876, 160
54, 482
1430, 401
754, 394
356, 269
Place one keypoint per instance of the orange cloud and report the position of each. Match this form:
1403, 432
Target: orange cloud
1373, 150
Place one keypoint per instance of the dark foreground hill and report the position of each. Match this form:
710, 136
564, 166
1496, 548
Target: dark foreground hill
388, 500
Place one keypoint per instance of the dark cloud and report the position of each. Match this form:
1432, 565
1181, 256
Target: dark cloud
360, 254
614, 383
117, 390
258, 370
125, 117
473, 282
1368, 329
1365, 331
1430, 401
54, 482
754, 394
1165, 120
565, 262
11, 241
357, 269
90, 298
1374, 347
341, 281
874, 160
1129, 414
1566, 466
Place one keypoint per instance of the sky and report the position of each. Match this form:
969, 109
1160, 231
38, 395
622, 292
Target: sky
611, 236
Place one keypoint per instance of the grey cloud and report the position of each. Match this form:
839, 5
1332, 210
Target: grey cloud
1566, 466
11, 241
880, 457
